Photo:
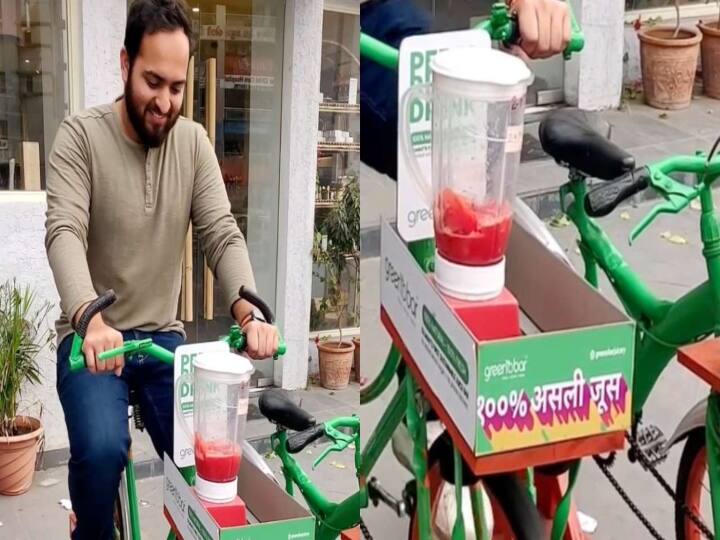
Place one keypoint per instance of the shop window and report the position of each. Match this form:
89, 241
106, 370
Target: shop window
336, 273
33, 82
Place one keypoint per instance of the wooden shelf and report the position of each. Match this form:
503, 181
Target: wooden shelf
339, 108
335, 147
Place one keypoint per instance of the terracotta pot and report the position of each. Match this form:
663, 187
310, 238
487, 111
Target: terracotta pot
356, 358
668, 65
710, 51
18, 455
335, 363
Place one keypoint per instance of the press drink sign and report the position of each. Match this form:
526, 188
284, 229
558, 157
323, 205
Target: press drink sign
414, 216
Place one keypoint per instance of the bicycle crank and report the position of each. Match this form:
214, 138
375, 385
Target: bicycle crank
378, 494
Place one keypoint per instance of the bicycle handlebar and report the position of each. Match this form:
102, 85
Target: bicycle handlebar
501, 26
236, 339
677, 196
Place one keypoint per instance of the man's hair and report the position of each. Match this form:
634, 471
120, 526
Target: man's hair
148, 17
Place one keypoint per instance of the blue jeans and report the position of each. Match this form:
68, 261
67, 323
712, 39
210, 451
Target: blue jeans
95, 408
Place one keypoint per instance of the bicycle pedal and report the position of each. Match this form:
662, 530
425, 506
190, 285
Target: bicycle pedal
651, 441
378, 494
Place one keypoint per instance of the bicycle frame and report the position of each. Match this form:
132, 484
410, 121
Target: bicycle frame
330, 518
663, 326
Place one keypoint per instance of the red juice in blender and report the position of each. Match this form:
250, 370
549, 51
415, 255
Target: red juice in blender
217, 460
471, 234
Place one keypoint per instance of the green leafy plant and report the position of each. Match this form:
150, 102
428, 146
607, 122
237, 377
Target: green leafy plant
23, 335
335, 245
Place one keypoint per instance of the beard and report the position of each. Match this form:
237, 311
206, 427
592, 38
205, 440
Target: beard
150, 137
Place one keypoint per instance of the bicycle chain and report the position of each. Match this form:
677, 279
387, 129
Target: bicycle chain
606, 463
364, 530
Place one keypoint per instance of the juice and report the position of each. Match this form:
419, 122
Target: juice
468, 233
217, 460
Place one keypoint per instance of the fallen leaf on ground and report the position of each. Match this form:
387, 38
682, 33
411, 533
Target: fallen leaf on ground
49, 482
588, 524
677, 239
666, 235
624, 215
663, 115
308, 452
338, 465
560, 221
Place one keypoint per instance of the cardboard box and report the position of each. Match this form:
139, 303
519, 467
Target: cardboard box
571, 380
272, 513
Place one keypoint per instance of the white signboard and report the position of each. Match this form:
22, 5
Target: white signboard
414, 216
441, 347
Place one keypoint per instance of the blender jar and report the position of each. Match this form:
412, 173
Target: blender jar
221, 385
478, 101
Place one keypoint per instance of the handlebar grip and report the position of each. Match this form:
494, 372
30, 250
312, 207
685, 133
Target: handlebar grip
255, 300
605, 198
297, 442
102, 302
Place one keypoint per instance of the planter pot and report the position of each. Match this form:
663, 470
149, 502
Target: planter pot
710, 52
18, 455
356, 358
336, 361
668, 65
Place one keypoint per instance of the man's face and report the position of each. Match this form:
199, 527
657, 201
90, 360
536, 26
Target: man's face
155, 84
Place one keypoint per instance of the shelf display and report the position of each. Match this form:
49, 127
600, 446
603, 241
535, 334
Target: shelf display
338, 152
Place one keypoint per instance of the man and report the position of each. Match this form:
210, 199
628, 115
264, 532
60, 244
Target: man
124, 181
544, 32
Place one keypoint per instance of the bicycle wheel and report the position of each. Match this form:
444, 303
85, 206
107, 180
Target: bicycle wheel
514, 516
693, 487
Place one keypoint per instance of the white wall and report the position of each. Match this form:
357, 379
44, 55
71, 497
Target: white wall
593, 79
103, 31
22, 256
301, 83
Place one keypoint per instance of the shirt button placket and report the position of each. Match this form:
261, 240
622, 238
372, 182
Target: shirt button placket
148, 182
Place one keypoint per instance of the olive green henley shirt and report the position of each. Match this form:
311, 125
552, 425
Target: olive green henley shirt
117, 217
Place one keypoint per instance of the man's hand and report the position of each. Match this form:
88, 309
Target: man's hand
544, 28
263, 339
99, 338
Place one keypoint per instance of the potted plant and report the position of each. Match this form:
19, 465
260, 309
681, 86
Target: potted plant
356, 358
710, 54
335, 244
668, 58
23, 335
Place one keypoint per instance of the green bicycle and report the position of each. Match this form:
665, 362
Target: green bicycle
330, 518
405, 421
663, 327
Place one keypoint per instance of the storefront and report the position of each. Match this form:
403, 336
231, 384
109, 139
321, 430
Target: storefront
286, 134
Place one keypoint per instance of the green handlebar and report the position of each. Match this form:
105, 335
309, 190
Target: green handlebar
501, 26
236, 340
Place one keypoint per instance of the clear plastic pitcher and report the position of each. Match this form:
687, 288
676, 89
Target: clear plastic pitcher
221, 384
478, 102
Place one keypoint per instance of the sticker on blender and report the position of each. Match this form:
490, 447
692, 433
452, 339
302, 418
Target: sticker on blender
514, 139
414, 214
242, 406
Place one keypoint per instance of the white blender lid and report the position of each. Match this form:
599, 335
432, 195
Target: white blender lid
482, 65
224, 363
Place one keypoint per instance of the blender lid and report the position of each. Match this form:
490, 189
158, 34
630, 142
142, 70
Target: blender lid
482, 65
224, 362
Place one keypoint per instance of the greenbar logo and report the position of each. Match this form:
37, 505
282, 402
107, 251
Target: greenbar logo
446, 345
197, 526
